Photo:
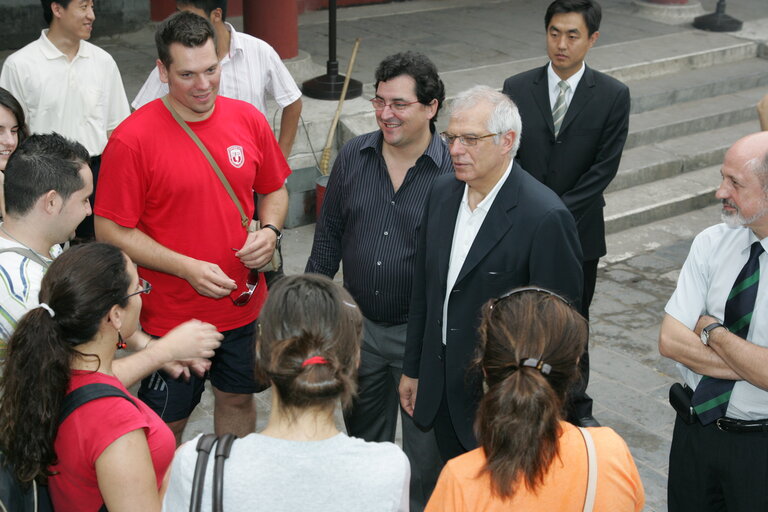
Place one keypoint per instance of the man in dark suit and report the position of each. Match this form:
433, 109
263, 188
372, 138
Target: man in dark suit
576, 122
486, 229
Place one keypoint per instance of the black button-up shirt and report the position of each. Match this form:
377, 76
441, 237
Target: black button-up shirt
371, 228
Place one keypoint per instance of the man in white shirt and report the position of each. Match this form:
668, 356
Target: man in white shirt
67, 85
250, 68
716, 329
488, 228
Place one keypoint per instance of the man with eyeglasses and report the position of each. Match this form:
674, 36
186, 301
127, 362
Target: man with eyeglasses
576, 121
49, 181
487, 229
370, 216
161, 201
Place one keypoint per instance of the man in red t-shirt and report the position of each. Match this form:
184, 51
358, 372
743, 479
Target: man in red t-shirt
160, 200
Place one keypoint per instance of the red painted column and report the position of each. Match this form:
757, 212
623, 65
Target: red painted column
234, 7
275, 22
161, 9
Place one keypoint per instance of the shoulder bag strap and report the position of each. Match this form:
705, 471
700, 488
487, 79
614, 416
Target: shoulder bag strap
204, 447
85, 394
589, 500
222, 454
28, 253
243, 217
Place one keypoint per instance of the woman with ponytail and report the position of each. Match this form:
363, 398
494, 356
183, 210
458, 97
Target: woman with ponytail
309, 350
529, 457
111, 451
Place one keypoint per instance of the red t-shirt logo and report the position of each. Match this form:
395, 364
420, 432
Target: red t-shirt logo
236, 157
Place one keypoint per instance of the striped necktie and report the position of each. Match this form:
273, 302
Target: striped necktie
710, 400
560, 108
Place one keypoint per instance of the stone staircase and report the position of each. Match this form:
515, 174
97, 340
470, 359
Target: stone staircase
693, 95
681, 124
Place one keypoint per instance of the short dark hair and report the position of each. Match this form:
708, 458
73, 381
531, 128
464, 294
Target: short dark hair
307, 316
8, 101
589, 9
48, 10
418, 66
42, 163
183, 27
208, 6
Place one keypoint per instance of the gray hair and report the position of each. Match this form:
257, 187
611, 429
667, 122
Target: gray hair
504, 116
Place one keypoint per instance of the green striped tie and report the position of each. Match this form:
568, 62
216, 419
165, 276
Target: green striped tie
560, 108
710, 400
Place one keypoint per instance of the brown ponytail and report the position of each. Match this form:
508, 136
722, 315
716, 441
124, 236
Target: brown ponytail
80, 287
310, 341
517, 423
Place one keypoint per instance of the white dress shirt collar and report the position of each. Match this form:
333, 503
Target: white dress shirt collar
50, 51
554, 89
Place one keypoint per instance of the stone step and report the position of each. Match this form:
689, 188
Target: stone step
649, 237
727, 78
694, 116
660, 199
656, 56
677, 155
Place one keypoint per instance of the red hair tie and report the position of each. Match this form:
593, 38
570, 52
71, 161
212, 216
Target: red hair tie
314, 360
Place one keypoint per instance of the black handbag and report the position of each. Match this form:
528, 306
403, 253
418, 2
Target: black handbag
204, 447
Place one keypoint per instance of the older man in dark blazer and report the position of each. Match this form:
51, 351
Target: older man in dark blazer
576, 122
487, 229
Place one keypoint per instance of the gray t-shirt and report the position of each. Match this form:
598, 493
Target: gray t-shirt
266, 474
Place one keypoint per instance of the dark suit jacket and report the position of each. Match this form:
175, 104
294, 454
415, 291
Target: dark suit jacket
528, 237
584, 158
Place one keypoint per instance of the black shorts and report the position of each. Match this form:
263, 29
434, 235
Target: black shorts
232, 371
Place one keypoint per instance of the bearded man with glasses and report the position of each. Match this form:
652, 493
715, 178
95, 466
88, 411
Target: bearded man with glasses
487, 229
369, 220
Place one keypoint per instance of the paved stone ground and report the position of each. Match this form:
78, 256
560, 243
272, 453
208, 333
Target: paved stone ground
629, 379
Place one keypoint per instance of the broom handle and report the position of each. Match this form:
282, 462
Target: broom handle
325, 160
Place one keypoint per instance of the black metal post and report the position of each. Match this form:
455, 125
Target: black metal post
329, 85
718, 21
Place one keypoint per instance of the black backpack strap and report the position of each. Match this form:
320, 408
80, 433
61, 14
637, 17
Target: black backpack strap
222, 454
204, 448
87, 393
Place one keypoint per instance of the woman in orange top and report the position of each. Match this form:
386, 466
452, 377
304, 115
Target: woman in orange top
529, 457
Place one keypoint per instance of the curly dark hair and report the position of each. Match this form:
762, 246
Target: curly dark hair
81, 286
418, 66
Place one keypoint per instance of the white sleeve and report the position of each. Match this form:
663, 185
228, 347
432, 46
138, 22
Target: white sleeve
117, 101
689, 300
9, 80
281, 84
152, 89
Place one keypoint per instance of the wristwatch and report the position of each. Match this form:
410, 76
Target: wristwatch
273, 228
705, 331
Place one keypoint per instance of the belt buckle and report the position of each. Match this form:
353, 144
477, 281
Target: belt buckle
717, 423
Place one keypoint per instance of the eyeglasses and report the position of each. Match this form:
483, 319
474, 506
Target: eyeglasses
465, 140
399, 106
145, 288
530, 289
252, 283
